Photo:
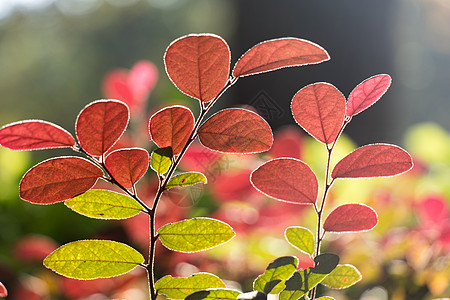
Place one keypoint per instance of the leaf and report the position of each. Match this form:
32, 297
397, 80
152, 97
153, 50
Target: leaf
195, 234
351, 218
367, 93
325, 263
90, 259
127, 166
198, 65
100, 124
214, 294
236, 130
286, 179
301, 238
297, 286
3, 290
325, 297
102, 204
277, 271
376, 160
161, 160
186, 179
58, 179
171, 127
319, 109
342, 277
181, 287
34, 135
279, 53
255, 295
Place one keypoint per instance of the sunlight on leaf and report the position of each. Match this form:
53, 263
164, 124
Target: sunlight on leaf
181, 287
325, 263
280, 269
127, 166
161, 160
301, 238
186, 179
342, 277
214, 294
351, 218
3, 290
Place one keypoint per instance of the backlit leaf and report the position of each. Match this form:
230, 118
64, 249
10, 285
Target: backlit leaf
127, 166
367, 93
181, 287
198, 65
319, 109
276, 273
376, 160
279, 53
286, 179
171, 127
100, 124
301, 238
214, 294
186, 179
58, 179
90, 259
195, 235
351, 218
102, 204
236, 130
34, 135
3, 290
161, 160
325, 297
325, 263
300, 283
342, 277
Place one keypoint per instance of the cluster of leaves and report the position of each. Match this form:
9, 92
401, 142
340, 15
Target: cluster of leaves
199, 66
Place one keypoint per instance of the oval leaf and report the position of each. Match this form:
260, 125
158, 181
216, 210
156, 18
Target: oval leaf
342, 277
92, 259
100, 124
300, 283
102, 204
236, 130
286, 179
58, 179
198, 65
127, 166
3, 290
195, 235
214, 294
376, 160
34, 135
161, 160
186, 179
279, 53
351, 218
367, 93
181, 287
301, 238
319, 109
325, 263
171, 127
276, 273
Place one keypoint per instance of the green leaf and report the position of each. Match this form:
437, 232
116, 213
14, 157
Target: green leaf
214, 294
280, 269
91, 259
194, 235
102, 204
186, 179
342, 277
297, 286
301, 238
325, 298
181, 287
161, 160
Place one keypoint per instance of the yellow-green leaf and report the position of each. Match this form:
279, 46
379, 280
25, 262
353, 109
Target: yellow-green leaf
325, 298
186, 179
102, 204
301, 238
181, 287
90, 259
342, 277
280, 269
194, 235
161, 160
214, 294
300, 283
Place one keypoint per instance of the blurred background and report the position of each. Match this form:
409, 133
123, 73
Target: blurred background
56, 56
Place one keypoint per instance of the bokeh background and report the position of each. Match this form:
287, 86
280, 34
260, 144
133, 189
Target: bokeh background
55, 54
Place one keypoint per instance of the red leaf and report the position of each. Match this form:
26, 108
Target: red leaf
198, 65
351, 218
286, 179
279, 53
171, 127
3, 290
319, 109
236, 130
288, 142
367, 93
34, 135
58, 179
100, 124
34, 248
127, 166
377, 160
